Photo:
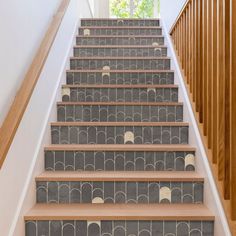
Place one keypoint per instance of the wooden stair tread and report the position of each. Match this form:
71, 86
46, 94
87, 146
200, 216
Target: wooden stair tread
121, 71
118, 58
130, 86
123, 103
120, 46
120, 147
194, 212
126, 176
119, 19
75, 123
120, 27
120, 36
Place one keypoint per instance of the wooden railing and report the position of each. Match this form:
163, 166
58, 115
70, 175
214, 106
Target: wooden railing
204, 36
22, 98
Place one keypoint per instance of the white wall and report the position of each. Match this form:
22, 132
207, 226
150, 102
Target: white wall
25, 159
101, 8
22, 27
170, 10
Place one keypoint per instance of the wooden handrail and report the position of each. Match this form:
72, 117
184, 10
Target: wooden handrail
204, 36
179, 15
22, 98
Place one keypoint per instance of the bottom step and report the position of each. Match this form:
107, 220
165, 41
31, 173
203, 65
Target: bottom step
119, 220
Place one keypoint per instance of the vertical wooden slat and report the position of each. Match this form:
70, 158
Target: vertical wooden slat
214, 85
209, 72
227, 99
184, 41
220, 89
204, 66
205, 38
233, 109
195, 50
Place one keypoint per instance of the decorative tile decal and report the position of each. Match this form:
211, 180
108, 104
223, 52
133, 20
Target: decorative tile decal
120, 78
126, 40
120, 52
129, 137
123, 31
115, 134
116, 161
120, 228
189, 161
119, 192
120, 64
120, 94
120, 22
122, 113
86, 32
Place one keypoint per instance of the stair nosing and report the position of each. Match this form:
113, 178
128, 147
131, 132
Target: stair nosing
120, 36
118, 58
119, 46
121, 103
118, 19
120, 71
120, 147
187, 212
64, 123
117, 176
129, 86
120, 27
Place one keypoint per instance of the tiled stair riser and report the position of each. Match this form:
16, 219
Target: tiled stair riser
120, 22
119, 228
119, 135
121, 31
119, 192
121, 52
119, 64
120, 78
119, 161
120, 94
130, 40
120, 113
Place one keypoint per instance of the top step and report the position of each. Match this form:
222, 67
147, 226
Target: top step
119, 22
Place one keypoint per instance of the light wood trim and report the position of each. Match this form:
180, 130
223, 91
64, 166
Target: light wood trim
118, 19
119, 46
119, 147
227, 205
120, 36
227, 100
119, 58
213, 96
122, 103
179, 16
220, 90
120, 27
120, 86
233, 109
119, 212
182, 124
125, 176
17, 109
125, 71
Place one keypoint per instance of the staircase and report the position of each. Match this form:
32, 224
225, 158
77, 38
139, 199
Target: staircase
119, 163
